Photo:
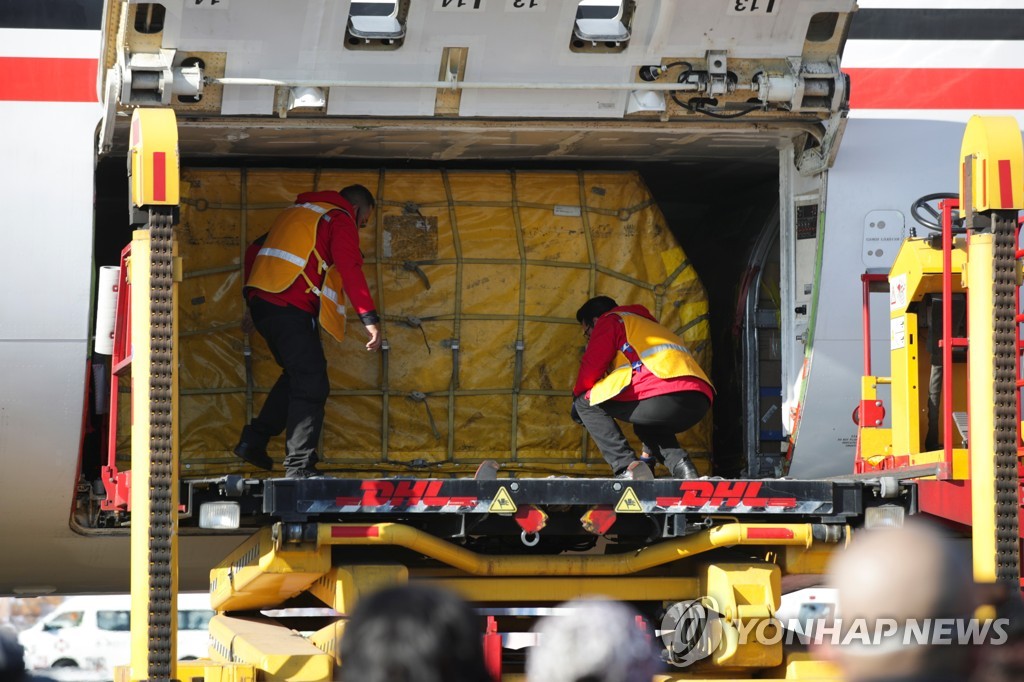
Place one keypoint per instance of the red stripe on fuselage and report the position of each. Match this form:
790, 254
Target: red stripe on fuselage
48, 79
936, 88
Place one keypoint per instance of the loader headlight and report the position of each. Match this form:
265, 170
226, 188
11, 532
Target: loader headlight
885, 516
220, 515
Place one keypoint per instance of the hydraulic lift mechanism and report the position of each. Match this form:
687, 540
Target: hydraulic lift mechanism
513, 543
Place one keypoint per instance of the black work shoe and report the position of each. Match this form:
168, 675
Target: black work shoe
637, 471
254, 455
684, 469
311, 472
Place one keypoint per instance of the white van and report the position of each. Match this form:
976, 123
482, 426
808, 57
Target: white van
93, 633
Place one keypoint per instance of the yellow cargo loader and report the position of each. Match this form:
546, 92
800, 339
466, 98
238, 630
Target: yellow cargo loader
512, 540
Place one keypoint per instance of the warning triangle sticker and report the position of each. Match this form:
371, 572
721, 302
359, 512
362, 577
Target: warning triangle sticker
502, 503
628, 503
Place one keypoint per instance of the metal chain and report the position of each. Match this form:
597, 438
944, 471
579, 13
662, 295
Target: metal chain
161, 313
1004, 339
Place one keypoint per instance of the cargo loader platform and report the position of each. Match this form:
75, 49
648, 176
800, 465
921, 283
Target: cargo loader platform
556, 506
511, 544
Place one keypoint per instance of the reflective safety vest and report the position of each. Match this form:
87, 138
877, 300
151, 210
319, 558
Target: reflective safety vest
649, 345
282, 259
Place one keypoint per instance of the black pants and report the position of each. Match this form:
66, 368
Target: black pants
655, 420
295, 404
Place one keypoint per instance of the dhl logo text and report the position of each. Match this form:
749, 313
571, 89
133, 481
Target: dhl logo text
404, 494
724, 494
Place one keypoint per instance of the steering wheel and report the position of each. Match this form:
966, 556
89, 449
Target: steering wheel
933, 215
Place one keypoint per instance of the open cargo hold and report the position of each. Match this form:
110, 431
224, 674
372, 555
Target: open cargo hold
477, 275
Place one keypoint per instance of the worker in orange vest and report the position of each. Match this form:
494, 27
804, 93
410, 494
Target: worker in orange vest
637, 371
298, 279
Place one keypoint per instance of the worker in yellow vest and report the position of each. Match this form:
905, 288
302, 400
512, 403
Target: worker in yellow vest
298, 279
637, 371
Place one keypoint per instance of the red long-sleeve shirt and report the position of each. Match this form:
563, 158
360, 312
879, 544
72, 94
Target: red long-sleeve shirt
606, 338
337, 242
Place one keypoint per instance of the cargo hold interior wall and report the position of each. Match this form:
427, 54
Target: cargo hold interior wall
477, 275
524, 256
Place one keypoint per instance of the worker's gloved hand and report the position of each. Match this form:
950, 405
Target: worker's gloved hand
575, 415
375, 338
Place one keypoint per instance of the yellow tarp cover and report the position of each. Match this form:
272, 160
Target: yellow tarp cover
477, 277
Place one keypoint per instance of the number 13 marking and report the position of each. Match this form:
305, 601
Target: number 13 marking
753, 6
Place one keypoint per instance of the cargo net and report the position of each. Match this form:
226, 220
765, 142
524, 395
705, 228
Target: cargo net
477, 276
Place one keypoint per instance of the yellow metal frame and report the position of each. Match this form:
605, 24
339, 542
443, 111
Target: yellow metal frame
154, 136
799, 534
979, 316
276, 651
917, 271
141, 510
342, 586
875, 442
554, 590
153, 158
993, 151
267, 570
262, 572
918, 267
991, 181
993, 145
139, 277
209, 670
748, 593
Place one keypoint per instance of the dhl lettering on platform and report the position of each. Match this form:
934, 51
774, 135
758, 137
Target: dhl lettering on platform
719, 494
404, 494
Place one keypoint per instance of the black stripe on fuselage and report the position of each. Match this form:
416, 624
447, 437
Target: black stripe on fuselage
81, 15
937, 24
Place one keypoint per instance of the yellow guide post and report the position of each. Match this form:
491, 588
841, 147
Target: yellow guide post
991, 194
154, 440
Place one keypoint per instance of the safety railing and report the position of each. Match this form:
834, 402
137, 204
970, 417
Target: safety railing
117, 484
